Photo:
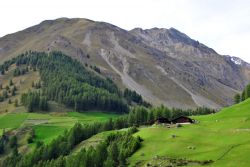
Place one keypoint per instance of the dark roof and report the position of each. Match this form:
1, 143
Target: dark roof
162, 120
182, 119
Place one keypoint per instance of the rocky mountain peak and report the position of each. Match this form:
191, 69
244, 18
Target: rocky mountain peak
165, 66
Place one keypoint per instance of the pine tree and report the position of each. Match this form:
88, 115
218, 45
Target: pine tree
122, 158
43, 104
150, 118
16, 103
13, 142
237, 98
243, 97
11, 82
247, 91
1, 146
7, 87
114, 152
13, 92
15, 152
109, 162
30, 107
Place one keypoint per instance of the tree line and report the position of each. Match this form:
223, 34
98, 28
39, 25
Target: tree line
112, 152
34, 101
133, 96
63, 145
117, 148
245, 94
66, 81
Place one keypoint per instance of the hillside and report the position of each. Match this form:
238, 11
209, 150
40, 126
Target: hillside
222, 138
64, 81
49, 134
165, 66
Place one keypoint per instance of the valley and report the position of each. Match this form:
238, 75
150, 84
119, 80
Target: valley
77, 92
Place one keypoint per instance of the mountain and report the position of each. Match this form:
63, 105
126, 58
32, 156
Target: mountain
165, 66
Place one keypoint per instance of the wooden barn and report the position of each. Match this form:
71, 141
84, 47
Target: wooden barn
162, 120
182, 119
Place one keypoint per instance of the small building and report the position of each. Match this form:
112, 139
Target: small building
182, 120
162, 120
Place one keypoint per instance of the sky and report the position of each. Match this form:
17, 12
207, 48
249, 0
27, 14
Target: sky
223, 25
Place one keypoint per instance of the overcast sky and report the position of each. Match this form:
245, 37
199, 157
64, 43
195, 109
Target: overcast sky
223, 25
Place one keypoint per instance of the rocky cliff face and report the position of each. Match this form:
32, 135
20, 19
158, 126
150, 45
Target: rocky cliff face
165, 66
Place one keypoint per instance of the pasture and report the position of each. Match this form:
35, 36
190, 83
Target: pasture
49, 125
223, 137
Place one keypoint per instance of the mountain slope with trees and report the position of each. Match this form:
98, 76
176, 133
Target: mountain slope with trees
164, 66
67, 82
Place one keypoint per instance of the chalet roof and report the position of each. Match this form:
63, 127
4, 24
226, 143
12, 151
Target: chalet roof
189, 119
162, 120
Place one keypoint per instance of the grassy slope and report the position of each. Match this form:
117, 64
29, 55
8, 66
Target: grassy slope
223, 137
57, 124
95, 140
23, 84
49, 125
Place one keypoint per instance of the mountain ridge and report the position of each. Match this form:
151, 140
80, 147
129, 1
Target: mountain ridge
165, 66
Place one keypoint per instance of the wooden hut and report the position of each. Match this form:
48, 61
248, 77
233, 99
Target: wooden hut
182, 119
162, 120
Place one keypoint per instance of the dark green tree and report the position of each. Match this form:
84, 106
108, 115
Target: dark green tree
16, 103
13, 142
237, 98
11, 82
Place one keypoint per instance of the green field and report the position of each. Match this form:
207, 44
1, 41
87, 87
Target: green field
49, 125
223, 137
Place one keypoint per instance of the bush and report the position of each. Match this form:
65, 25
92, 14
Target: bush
30, 139
178, 125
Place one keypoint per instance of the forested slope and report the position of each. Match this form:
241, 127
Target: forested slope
68, 82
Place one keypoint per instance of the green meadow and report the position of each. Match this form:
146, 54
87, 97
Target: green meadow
49, 125
223, 137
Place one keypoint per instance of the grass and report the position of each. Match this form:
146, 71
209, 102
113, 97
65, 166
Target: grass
56, 125
49, 125
95, 140
23, 84
12, 120
92, 141
90, 116
223, 137
48, 133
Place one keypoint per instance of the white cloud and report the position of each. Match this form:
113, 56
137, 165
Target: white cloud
223, 25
